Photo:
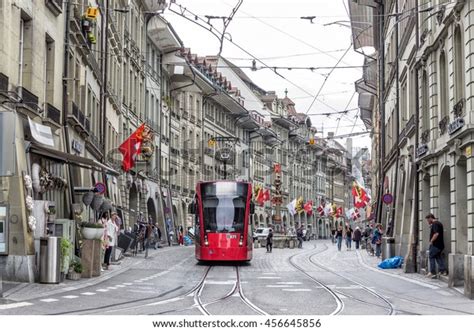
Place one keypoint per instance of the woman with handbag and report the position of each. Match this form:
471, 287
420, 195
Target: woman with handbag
377, 239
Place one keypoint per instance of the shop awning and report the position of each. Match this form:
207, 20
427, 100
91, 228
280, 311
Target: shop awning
361, 15
71, 159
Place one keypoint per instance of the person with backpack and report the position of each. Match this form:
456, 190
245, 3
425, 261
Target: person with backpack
357, 236
377, 239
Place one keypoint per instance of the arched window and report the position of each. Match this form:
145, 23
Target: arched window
443, 86
425, 103
459, 71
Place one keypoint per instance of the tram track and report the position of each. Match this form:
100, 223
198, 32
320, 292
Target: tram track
235, 291
339, 302
141, 300
389, 306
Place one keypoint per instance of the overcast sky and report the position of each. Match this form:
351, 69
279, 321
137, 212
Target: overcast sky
272, 31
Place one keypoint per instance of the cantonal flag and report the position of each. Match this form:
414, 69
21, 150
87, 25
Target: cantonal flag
131, 148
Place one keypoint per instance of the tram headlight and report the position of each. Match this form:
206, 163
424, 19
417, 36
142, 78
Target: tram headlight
206, 242
241, 241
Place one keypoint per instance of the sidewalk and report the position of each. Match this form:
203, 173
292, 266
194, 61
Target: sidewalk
28, 291
371, 262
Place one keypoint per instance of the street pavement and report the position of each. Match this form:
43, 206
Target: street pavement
315, 280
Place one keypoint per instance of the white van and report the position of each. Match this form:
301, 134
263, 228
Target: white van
261, 233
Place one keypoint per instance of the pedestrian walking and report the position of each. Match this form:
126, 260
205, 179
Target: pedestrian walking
148, 237
436, 247
357, 236
181, 236
348, 237
108, 238
333, 236
377, 239
339, 235
299, 236
270, 241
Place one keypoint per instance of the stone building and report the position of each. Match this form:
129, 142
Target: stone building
426, 133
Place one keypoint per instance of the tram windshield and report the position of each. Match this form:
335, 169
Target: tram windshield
224, 206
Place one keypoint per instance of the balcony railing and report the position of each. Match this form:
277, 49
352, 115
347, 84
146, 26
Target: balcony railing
29, 98
53, 113
3, 83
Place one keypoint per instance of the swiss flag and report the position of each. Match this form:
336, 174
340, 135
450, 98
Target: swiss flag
360, 196
355, 214
131, 148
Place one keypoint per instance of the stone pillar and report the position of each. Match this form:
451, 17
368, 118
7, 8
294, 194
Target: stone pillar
91, 258
456, 270
469, 276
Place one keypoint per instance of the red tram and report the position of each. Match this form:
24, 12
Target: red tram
222, 221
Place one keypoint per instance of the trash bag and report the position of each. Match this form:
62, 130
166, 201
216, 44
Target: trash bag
187, 241
391, 263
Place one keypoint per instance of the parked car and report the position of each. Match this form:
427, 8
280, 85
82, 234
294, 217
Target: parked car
261, 233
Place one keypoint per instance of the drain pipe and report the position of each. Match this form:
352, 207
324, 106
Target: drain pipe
65, 108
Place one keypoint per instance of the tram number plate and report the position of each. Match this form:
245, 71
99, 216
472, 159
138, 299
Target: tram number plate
231, 236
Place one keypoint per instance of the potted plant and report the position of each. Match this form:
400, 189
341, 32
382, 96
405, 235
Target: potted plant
92, 230
65, 252
75, 270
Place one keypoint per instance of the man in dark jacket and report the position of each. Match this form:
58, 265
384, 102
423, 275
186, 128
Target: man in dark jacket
270, 241
299, 236
357, 237
436, 247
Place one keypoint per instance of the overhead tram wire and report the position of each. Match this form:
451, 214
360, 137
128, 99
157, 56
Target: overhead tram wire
327, 77
289, 35
336, 16
210, 28
347, 106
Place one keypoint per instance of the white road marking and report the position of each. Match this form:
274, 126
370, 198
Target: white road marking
220, 282
88, 293
297, 289
128, 284
278, 286
111, 288
49, 300
15, 305
290, 283
102, 290
164, 301
70, 296
119, 285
